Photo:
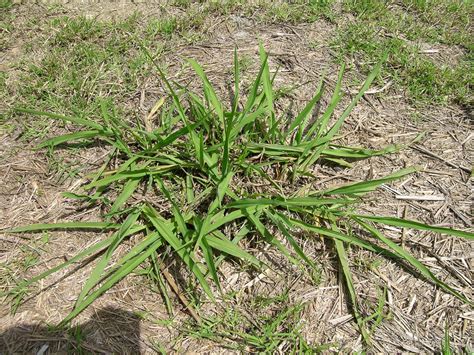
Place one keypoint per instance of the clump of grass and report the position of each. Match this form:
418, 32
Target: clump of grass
194, 158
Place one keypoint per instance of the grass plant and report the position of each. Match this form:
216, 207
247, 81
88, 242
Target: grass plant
194, 158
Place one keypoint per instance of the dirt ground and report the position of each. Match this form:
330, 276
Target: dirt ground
132, 317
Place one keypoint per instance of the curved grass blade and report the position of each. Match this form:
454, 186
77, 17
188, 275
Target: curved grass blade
403, 254
346, 271
226, 246
96, 273
65, 225
350, 239
69, 137
405, 223
364, 187
163, 227
76, 120
124, 270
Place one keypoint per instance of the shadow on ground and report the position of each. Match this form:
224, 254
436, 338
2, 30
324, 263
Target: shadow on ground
110, 330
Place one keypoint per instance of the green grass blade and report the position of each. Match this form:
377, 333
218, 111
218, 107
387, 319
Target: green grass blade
301, 120
132, 174
209, 258
320, 126
65, 225
96, 273
124, 270
357, 153
164, 228
212, 96
364, 187
343, 261
161, 283
178, 217
404, 255
267, 89
75, 120
223, 189
235, 104
350, 239
128, 189
220, 219
290, 202
446, 343
253, 94
69, 137
368, 81
228, 247
405, 223
95, 248
268, 237
278, 221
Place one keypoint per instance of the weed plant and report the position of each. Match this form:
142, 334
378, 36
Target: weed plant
195, 157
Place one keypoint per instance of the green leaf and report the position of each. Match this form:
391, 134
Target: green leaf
69, 137
368, 186
75, 120
403, 254
124, 270
128, 190
96, 273
343, 261
164, 228
290, 202
65, 225
268, 237
279, 222
226, 246
301, 120
209, 90
405, 223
